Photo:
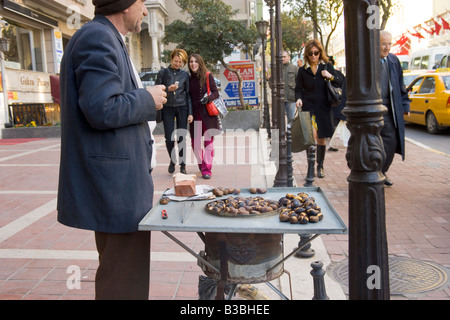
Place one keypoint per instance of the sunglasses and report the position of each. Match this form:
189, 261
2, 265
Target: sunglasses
316, 53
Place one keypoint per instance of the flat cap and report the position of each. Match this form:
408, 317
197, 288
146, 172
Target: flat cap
107, 7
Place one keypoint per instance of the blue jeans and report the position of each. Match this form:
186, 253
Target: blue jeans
290, 110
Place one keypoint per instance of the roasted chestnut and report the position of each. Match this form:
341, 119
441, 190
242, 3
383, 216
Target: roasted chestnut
164, 200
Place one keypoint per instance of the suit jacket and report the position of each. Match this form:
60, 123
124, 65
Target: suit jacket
399, 99
290, 75
106, 148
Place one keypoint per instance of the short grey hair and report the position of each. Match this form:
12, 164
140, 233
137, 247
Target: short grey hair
385, 33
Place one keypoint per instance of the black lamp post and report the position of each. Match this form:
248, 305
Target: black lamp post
262, 30
273, 67
281, 178
368, 253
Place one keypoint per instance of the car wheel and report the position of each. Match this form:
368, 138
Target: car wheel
432, 125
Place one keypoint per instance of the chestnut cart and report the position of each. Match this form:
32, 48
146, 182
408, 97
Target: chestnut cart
241, 249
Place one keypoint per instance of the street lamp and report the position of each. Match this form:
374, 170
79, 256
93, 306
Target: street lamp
262, 30
4, 47
4, 44
271, 4
281, 178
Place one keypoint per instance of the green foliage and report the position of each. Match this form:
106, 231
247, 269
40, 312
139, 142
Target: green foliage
295, 31
211, 30
329, 12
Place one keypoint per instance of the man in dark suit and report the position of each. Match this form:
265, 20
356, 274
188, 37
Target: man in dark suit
105, 182
395, 99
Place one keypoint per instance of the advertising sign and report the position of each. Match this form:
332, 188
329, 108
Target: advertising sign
230, 84
58, 50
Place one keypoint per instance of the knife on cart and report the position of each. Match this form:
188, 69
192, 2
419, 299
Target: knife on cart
186, 211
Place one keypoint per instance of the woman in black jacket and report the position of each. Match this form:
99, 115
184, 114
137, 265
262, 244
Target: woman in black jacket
178, 107
311, 95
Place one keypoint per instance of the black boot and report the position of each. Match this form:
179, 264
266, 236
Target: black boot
183, 168
320, 158
171, 167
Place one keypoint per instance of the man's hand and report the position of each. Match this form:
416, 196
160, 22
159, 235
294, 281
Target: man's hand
299, 103
159, 95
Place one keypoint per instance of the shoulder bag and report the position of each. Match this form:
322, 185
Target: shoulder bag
217, 106
334, 92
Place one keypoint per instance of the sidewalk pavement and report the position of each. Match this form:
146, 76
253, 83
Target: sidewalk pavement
40, 258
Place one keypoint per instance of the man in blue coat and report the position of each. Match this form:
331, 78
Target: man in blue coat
395, 99
105, 182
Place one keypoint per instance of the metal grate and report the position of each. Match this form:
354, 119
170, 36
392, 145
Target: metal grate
406, 276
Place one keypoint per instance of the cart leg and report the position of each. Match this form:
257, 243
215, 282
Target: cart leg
207, 288
223, 256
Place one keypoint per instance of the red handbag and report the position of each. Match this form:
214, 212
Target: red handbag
210, 106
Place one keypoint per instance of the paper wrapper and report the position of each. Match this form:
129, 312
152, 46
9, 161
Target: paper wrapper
184, 184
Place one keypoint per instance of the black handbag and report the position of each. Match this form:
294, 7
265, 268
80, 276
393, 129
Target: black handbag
301, 131
159, 116
334, 93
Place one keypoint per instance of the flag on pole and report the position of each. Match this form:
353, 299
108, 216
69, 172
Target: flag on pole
437, 27
417, 35
445, 24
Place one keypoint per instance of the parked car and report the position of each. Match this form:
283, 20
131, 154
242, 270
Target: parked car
148, 77
430, 101
409, 76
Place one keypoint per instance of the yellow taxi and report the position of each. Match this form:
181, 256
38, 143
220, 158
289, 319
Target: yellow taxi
410, 75
430, 101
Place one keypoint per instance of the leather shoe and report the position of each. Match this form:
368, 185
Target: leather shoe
171, 167
206, 176
388, 182
183, 169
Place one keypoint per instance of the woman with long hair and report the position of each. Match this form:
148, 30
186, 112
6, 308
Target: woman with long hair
178, 107
311, 95
204, 126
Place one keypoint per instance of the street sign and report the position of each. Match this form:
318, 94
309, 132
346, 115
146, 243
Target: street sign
250, 87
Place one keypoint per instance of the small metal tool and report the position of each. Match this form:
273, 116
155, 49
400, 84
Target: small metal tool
186, 212
164, 214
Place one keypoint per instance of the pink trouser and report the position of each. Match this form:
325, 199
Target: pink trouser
205, 154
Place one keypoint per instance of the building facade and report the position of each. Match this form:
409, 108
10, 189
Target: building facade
39, 30
412, 29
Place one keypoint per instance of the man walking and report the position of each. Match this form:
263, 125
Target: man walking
290, 75
395, 99
105, 182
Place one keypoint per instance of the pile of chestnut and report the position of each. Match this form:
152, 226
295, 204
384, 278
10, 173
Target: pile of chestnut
242, 206
300, 208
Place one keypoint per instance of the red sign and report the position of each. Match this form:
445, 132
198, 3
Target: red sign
245, 69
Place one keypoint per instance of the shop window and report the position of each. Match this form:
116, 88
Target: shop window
26, 51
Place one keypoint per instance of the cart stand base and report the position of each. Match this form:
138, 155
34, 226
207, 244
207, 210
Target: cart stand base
230, 288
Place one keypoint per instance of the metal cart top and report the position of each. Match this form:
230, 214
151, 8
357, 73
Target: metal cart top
199, 220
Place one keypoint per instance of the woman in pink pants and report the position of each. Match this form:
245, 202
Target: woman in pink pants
204, 127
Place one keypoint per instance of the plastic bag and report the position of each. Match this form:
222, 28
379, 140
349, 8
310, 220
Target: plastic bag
341, 136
